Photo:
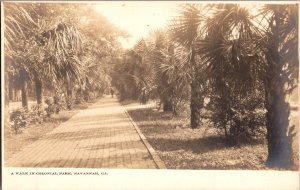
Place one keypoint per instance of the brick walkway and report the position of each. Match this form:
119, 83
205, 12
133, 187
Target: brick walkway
101, 136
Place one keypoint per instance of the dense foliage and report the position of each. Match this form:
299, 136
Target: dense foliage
53, 52
57, 52
242, 62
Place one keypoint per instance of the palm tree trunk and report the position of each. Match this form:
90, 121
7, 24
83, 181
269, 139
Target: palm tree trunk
167, 105
7, 89
69, 95
24, 92
15, 94
280, 152
197, 101
10, 90
39, 94
196, 104
69, 98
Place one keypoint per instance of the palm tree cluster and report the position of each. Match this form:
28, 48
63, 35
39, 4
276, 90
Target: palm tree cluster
152, 70
244, 61
52, 50
232, 65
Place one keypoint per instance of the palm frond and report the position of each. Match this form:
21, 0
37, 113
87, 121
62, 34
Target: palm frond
183, 29
228, 50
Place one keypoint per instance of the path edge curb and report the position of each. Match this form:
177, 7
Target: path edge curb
159, 163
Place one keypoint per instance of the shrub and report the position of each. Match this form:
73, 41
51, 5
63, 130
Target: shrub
57, 100
34, 116
19, 119
247, 122
53, 106
50, 110
238, 118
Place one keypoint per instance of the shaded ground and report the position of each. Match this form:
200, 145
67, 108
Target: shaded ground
183, 148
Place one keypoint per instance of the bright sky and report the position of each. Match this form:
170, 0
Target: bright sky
139, 18
136, 17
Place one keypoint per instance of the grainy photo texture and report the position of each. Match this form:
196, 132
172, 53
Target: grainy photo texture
151, 85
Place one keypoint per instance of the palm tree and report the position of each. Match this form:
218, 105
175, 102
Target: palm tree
171, 78
241, 56
125, 75
227, 56
44, 54
184, 32
63, 45
18, 28
280, 46
144, 73
159, 55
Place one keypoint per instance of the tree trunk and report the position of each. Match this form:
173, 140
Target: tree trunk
226, 134
69, 99
11, 91
197, 101
196, 105
86, 95
7, 90
24, 93
15, 95
69, 94
39, 95
167, 106
280, 152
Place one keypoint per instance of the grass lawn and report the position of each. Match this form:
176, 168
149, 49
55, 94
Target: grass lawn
14, 143
181, 147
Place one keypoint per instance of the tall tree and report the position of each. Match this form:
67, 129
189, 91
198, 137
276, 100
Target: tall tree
171, 71
49, 52
242, 56
17, 30
282, 62
227, 50
184, 32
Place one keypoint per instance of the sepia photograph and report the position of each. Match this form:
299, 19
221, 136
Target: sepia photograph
149, 86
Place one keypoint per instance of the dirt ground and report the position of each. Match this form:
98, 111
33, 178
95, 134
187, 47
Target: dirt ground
181, 147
